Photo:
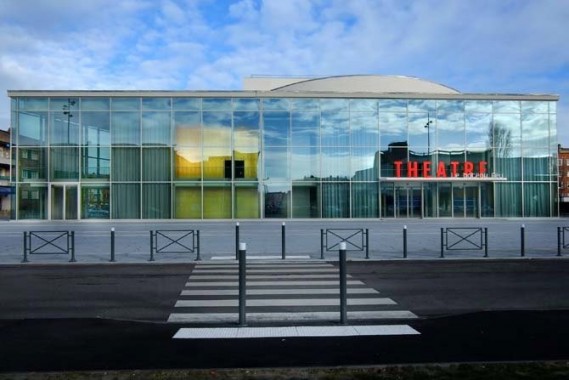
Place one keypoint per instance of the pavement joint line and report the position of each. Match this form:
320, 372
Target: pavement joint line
330, 276
293, 332
254, 257
269, 283
285, 302
254, 292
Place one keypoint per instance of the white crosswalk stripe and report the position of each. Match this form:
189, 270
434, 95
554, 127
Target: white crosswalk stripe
278, 293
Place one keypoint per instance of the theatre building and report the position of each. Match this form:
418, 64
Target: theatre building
332, 147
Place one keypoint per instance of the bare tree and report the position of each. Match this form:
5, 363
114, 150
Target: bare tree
499, 139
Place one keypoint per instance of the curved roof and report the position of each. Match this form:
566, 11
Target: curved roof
368, 83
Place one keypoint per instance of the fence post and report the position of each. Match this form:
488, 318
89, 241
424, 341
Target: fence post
242, 284
71, 235
197, 246
367, 243
404, 242
283, 241
523, 240
25, 260
151, 246
343, 289
322, 244
112, 244
442, 243
237, 241
485, 241
558, 241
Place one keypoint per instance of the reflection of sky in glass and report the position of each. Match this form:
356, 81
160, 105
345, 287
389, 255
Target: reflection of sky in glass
125, 104
512, 123
125, 128
534, 107
276, 163
335, 129
190, 104
535, 131
216, 128
305, 163
276, 127
335, 162
96, 128
393, 128
156, 128
214, 104
364, 128
477, 128
392, 105
305, 104
246, 128
363, 105
334, 105
156, 104
305, 128
506, 106
272, 104
482, 106
362, 164
450, 106
95, 104
419, 105
450, 131
246, 104
33, 104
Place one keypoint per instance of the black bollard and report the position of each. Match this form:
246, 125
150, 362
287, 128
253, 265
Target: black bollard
242, 283
343, 286
112, 244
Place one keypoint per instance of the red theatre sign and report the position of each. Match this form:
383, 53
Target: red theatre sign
425, 169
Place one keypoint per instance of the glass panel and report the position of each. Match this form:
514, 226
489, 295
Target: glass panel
32, 128
390, 156
508, 200
458, 200
125, 164
535, 130
276, 104
95, 202
95, 104
125, 104
305, 104
506, 135
64, 104
335, 129
32, 165
445, 199
536, 200
156, 201
487, 196
57, 196
535, 107
387, 200
305, 164
420, 105
393, 128
246, 163
336, 164
364, 129
478, 131
32, 104
276, 164
190, 104
365, 200
216, 129
430, 200
187, 128
156, 128
32, 201
156, 164
64, 128
277, 200
506, 106
536, 165
247, 201
246, 104
392, 105
450, 106
125, 128
401, 202
126, 201
188, 201
306, 200
482, 106
64, 163
71, 202
471, 201
553, 107
188, 163
96, 163
276, 128
217, 201
450, 132
215, 162
421, 133
216, 104
335, 200
364, 164
96, 128
363, 105
305, 129
156, 103
334, 105
246, 128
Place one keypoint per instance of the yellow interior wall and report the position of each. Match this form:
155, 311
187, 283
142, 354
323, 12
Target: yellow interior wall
188, 203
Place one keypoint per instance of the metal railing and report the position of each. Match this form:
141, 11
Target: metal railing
562, 239
175, 241
49, 243
464, 239
356, 239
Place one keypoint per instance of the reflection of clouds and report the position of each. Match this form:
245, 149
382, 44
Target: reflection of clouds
305, 163
535, 107
393, 124
482, 106
365, 105
450, 106
392, 105
334, 105
453, 122
246, 104
189, 154
417, 122
305, 104
276, 104
216, 104
419, 105
506, 106
535, 129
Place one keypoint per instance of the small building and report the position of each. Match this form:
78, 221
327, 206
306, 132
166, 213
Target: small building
360, 146
5, 164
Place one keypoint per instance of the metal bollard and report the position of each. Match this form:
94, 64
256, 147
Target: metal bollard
558, 241
343, 288
237, 241
442, 243
523, 240
151, 246
25, 260
405, 242
71, 246
283, 241
321, 244
485, 241
367, 243
112, 244
198, 257
242, 283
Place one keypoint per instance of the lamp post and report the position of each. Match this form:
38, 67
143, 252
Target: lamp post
67, 112
428, 126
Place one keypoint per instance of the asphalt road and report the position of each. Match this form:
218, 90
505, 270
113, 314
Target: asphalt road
103, 317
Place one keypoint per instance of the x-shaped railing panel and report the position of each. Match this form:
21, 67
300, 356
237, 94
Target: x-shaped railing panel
356, 239
464, 239
174, 241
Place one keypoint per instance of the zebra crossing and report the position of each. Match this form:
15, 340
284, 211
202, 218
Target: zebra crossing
280, 293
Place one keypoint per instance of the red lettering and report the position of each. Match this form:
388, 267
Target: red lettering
426, 168
442, 170
482, 167
468, 167
412, 169
454, 168
397, 165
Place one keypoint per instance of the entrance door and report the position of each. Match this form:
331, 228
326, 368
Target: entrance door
64, 201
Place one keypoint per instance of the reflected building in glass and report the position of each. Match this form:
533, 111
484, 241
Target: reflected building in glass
333, 147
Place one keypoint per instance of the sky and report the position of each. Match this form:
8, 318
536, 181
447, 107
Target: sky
482, 46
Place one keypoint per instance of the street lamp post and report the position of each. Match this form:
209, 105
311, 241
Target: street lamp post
428, 126
67, 112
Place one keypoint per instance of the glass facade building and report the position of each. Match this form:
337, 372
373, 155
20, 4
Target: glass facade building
287, 152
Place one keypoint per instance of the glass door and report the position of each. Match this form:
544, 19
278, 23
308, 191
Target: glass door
64, 200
